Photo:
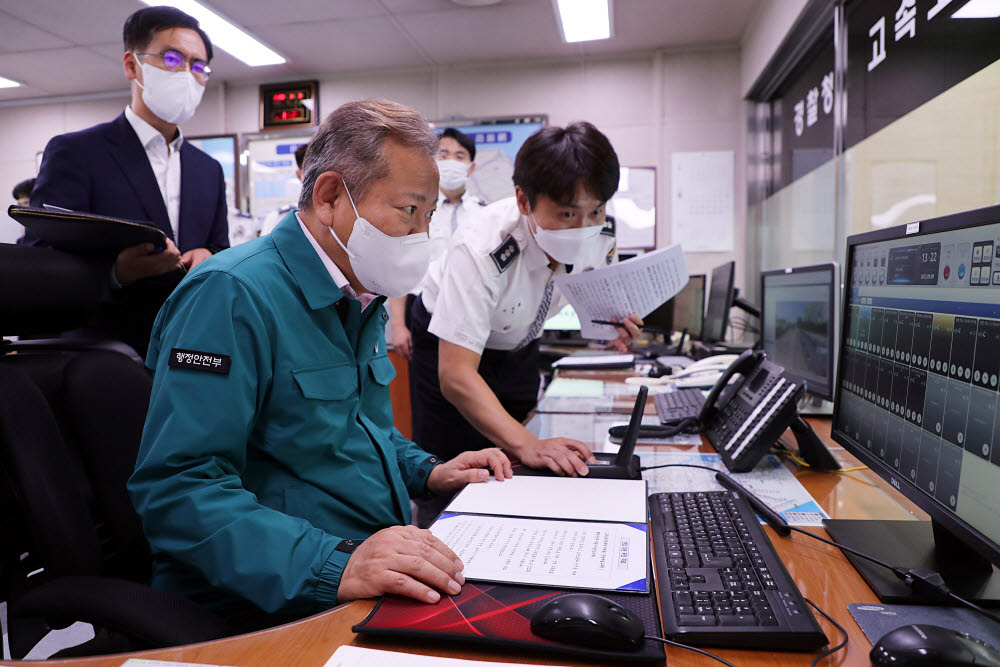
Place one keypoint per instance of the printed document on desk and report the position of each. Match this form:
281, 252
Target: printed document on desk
770, 481
638, 285
571, 554
576, 498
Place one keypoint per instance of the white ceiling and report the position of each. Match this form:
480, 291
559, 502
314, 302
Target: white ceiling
64, 47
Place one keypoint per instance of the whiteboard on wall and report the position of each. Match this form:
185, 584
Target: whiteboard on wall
271, 173
634, 208
702, 197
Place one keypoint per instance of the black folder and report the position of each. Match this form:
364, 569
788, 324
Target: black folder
85, 233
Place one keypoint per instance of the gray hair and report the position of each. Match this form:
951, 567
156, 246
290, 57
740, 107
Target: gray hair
351, 141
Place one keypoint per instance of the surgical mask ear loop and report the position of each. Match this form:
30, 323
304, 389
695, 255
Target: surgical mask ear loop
357, 216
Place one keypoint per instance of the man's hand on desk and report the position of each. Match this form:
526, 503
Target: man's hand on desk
193, 258
469, 467
402, 560
633, 327
562, 456
138, 261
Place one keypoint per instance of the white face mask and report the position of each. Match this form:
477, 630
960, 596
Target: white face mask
172, 96
386, 265
567, 246
454, 174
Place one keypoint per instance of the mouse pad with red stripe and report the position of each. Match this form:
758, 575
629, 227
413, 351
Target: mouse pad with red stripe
487, 614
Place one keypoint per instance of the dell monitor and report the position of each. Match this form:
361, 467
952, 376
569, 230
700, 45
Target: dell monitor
720, 300
799, 323
916, 396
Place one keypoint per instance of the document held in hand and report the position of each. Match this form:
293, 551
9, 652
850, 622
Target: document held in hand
638, 285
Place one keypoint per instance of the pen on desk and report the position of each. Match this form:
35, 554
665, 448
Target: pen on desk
652, 330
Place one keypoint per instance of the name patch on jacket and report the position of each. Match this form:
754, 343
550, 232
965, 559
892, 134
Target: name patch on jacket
609, 226
194, 360
506, 253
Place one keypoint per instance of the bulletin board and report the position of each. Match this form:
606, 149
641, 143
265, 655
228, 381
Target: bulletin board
271, 172
497, 142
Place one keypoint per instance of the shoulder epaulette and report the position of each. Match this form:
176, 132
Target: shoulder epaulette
505, 253
609, 226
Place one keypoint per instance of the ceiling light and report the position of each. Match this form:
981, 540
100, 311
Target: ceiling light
979, 9
8, 83
224, 34
584, 20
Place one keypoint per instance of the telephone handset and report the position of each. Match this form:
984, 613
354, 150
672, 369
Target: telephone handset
748, 409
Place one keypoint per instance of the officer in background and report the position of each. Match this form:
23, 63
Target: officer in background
272, 219
456, 163
22, 192
477, 322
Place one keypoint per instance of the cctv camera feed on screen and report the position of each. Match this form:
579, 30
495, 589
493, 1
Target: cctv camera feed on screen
921, 360
798, 324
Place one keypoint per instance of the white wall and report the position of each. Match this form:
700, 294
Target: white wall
772, 22
649, 105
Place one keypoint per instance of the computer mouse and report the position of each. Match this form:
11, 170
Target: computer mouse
589, 620
931, 645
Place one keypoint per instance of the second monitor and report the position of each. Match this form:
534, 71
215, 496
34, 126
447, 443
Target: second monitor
799, 322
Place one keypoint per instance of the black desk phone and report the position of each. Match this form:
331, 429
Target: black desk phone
748, 409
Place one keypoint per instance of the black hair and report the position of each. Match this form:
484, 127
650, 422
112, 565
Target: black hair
23, 189
464, 140
300, 155
554, 160
141, 27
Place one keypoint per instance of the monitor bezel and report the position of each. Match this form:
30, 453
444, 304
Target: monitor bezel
977, 541
834, 269
728, 303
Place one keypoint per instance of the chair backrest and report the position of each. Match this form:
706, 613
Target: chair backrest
70, 426
44, 290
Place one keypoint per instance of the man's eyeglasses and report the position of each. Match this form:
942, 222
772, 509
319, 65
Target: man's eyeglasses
174, 61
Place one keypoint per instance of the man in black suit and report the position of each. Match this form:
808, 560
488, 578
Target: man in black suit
139, 167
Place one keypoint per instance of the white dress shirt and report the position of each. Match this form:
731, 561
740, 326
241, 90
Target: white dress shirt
338, 276
494, 289
165, 159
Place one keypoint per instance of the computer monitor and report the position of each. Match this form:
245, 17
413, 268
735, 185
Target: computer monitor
799, 323
916, 395
689, 306
720, 300
563, 328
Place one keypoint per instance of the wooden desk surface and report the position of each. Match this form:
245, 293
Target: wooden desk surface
822, 573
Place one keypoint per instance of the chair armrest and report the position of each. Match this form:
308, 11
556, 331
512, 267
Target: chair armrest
150, 617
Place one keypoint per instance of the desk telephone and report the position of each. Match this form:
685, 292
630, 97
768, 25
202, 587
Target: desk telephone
749, 407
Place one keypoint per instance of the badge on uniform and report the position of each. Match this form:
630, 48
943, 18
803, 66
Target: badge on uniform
609, 226
193, 360
506, 253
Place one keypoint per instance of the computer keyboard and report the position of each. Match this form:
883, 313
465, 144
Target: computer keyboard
719, 579
673, 406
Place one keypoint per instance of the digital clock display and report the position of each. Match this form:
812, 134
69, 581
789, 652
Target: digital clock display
288, 104
914, 265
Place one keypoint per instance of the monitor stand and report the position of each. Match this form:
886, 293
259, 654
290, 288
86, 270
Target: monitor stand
814, 406
916, 545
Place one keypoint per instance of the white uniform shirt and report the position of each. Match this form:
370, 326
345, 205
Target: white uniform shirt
493, 288
166, 163
444, 224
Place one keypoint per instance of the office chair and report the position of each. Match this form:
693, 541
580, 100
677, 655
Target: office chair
71, 420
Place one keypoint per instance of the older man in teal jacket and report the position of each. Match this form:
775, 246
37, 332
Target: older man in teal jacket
270, 480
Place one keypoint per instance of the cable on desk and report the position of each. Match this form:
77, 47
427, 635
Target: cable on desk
924, 582
794, 455
833, 649
669, 642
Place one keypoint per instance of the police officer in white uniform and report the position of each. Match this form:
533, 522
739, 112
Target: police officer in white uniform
456, 160
272, 219
477, 323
